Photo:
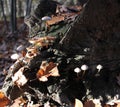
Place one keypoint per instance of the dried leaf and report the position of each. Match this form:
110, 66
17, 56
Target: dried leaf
22, 100
54, 72
50, 66
23, 53
19, 101
114, 102
89, 104
17, 65
46, 70
55, 20
43, 79
42, 41
118, 104
110, 103
40, 73
63, 9
47, 104
19, 79
93, 103
78, 103
3, 100
31, 52
106, 105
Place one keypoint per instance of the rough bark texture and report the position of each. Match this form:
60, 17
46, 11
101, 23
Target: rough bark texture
97, 28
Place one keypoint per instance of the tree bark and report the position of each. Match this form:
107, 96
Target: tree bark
13, 16
28, 7
20, 11
3, 13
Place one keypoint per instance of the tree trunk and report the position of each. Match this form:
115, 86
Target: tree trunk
3, 13
28, 7
13, 16
20, 11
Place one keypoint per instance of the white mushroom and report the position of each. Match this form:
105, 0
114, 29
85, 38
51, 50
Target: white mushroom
20, 48
99, 67
46, 18
84, 68
15, 56
77, 70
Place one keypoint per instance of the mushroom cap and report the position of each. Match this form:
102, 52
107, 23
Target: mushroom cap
20, 48
15, 56
84, 67
45, 18
77, 70
99, 67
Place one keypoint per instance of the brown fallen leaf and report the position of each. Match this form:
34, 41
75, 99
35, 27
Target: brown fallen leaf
93, 103
23, 53
46, 70
55, 20
78, 103
118, 104
106, 105
4, 101
31, 52
42, 41
19, 79
19, 101
40, 73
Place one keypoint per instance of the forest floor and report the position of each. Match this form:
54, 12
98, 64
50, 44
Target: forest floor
8, 47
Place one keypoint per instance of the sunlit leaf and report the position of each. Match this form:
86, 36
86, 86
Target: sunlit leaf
31, 52
42, 41
78, 103
40, 73
18, 102
55, 20
43, 78
3, 100
19, 79
46, 70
